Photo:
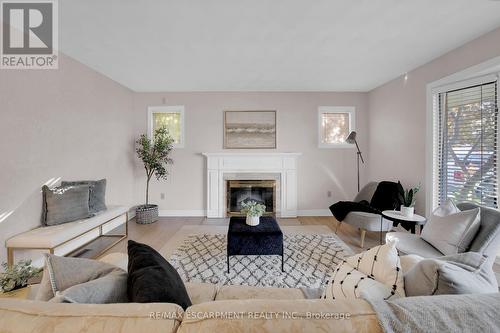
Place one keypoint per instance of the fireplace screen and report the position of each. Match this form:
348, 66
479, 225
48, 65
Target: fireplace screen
261, 191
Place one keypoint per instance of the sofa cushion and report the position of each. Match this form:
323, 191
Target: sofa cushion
69, 280
64, 204
200, 292
408, 261
152, 279
97, 193
35, 316
248, 292
464, 273
281, 316
454, 232
408, 243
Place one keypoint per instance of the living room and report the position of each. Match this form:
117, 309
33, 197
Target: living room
263, 157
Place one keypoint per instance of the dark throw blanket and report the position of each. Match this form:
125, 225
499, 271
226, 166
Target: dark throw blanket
384, 198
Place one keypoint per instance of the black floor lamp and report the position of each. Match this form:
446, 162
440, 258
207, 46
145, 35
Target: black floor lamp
352, 139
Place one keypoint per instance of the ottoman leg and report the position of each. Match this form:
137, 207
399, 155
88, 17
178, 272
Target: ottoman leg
227, 264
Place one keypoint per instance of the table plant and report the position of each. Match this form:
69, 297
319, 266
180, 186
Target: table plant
253, 210
407, 197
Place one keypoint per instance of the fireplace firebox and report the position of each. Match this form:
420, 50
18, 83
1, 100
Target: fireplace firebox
240, 191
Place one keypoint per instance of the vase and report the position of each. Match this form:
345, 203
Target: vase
407, 211
146, 214
253, 220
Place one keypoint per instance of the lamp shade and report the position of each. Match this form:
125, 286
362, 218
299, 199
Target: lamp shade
351, 138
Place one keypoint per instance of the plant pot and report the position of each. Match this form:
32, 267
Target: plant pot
146, 214
253, 220
407, 211
19, 293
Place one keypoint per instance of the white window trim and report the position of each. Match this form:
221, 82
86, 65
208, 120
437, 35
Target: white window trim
470, 76
167, 109
336, 109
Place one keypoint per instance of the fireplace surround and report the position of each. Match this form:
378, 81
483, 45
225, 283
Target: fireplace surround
278, 167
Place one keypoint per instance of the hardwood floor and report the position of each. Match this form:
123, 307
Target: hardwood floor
158, 233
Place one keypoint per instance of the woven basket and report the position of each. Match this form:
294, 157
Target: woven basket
146, 214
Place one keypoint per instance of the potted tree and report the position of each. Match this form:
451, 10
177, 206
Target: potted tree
253, 210
155, 155
407, 198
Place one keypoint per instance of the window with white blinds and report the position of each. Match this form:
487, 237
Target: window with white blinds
467, 147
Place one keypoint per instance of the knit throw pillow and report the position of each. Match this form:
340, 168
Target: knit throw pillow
375, 274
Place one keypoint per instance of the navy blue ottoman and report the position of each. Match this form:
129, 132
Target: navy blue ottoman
263, 239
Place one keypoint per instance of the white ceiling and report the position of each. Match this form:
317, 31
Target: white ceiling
266, 45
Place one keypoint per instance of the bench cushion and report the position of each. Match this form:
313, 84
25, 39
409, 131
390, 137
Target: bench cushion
50, 237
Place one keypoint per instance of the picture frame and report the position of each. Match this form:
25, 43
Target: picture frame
255, 129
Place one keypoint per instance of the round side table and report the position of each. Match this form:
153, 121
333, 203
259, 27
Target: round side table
396, 216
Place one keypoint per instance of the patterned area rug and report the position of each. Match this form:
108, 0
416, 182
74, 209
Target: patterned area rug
309, 261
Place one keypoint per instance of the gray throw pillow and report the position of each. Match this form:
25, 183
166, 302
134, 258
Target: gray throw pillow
64, 204
97, 198
79, 280
464, 273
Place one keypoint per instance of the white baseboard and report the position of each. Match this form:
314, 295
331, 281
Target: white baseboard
314, 212
202, 212
194, 213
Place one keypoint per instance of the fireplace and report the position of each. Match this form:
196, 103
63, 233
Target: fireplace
240, 191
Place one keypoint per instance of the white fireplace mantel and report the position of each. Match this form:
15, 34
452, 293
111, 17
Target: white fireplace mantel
284, 164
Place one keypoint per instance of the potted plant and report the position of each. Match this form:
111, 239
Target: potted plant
155, 155
253, 210
15, 277
407, 198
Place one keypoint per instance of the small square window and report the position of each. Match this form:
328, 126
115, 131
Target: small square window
171, 117
334, 125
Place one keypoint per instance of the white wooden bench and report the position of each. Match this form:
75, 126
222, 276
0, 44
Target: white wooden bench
66, 238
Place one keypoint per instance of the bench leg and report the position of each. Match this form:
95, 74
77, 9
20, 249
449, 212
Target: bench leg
283, 263
10, 256
227, 264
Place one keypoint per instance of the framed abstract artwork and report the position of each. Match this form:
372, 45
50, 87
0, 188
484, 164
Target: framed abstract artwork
249, 129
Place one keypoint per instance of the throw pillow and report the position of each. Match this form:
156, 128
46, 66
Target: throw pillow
349, 283
464, 273
64, 204
446, 208
79, 280
151, 279
97, 196
451, 233
383, 264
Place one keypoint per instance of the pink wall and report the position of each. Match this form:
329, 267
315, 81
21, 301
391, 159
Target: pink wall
397, 117
70, 123
320, 170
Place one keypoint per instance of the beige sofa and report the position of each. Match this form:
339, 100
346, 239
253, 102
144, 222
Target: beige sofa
229, 309
224, 309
